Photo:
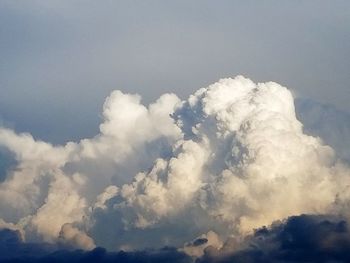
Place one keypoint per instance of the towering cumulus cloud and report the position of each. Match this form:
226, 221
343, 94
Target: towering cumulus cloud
231, 158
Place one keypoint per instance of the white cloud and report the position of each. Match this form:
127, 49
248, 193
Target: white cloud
231, 158
76, 238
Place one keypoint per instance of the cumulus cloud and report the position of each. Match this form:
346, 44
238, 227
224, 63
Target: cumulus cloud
231, 158
75, 237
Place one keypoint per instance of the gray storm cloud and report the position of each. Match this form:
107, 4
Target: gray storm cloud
231, 158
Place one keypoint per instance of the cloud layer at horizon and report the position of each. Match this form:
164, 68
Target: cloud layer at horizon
304, 238
231, 158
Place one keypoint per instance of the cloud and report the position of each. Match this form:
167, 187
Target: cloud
75, 238
304, 238
231, 158
13, 249
197, 247
51, 185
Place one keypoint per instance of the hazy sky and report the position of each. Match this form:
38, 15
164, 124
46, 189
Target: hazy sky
60, 59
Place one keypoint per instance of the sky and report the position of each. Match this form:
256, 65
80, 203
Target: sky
174, 131
61, 59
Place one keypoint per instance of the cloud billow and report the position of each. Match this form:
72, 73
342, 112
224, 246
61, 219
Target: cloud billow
231, 158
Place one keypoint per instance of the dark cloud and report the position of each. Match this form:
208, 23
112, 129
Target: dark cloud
13, 249
199, 242
305, 238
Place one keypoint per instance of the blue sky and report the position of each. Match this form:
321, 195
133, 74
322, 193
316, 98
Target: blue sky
59, 60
